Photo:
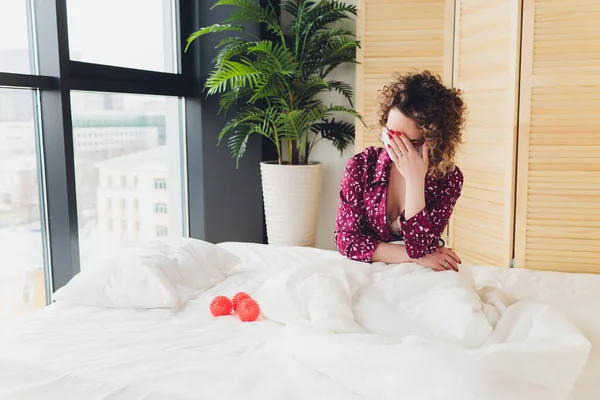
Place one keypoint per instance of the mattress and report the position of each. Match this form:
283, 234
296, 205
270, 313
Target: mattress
75, 352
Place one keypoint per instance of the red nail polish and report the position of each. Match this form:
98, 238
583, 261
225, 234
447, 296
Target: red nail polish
399, 133
390, 135
389, 147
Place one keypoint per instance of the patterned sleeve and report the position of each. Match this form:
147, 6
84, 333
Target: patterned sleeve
351, 236
422, 232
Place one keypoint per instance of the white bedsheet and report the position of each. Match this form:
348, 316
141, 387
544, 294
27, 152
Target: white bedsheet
68, 352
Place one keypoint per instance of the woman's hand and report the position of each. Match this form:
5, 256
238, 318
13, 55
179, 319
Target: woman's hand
407, 159
441, 260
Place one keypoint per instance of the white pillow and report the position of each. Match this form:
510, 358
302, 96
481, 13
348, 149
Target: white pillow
116, 286
160, 274
198, 264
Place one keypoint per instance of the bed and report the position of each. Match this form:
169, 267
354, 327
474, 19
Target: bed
310, 351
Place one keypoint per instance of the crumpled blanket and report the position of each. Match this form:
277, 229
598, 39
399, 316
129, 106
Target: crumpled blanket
406, 332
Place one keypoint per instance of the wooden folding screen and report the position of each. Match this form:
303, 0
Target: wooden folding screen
486, 55
558, 189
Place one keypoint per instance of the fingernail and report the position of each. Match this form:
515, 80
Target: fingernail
399, 133
390, 135
389, 147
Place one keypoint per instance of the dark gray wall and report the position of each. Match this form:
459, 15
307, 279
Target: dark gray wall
225, 203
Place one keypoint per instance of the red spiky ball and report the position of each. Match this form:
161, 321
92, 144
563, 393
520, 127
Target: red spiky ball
238, 298
220, 305
248, 310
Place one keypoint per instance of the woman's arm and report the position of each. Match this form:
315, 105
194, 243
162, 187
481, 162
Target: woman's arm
352, 238
422, 230
414, 198
391, 254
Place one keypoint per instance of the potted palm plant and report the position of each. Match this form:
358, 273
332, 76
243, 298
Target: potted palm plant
274, 85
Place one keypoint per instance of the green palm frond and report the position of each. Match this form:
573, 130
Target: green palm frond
266, 89
326, 12
294, 124
313, 16
340, 133
212, 29
319, 17
276, 53
315, 85
238, 142
233, 97
243, 117
323, 37
232, 48
338, 50
343, 88
233, 74
310, 87
252, 11
341, 109
312, 58
293, 6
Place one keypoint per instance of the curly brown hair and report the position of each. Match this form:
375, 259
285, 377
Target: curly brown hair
438, 111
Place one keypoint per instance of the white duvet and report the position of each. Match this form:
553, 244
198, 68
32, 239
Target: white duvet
331, 329
388, 332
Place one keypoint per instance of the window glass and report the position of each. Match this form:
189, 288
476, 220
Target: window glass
15, 42
126, 33
126, 170
22, 285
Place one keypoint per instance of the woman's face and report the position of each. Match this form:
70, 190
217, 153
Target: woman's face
401, 123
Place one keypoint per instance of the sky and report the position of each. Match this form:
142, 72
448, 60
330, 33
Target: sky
127, 33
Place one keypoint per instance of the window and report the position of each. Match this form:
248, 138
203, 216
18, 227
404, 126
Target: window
15, 43
91, 41
21, 222
160, 208
161, 231
157, 150
110, 135
160, 184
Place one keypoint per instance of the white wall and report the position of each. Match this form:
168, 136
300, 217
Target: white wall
333, 162
333, 167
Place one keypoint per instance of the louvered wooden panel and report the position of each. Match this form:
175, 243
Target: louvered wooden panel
558, 212
397, 36
486, 55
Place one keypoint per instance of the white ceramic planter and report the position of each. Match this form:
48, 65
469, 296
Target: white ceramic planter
291, 195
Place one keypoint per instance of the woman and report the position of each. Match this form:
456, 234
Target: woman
407, 190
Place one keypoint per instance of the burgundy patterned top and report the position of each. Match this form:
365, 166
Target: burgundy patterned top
362, 211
